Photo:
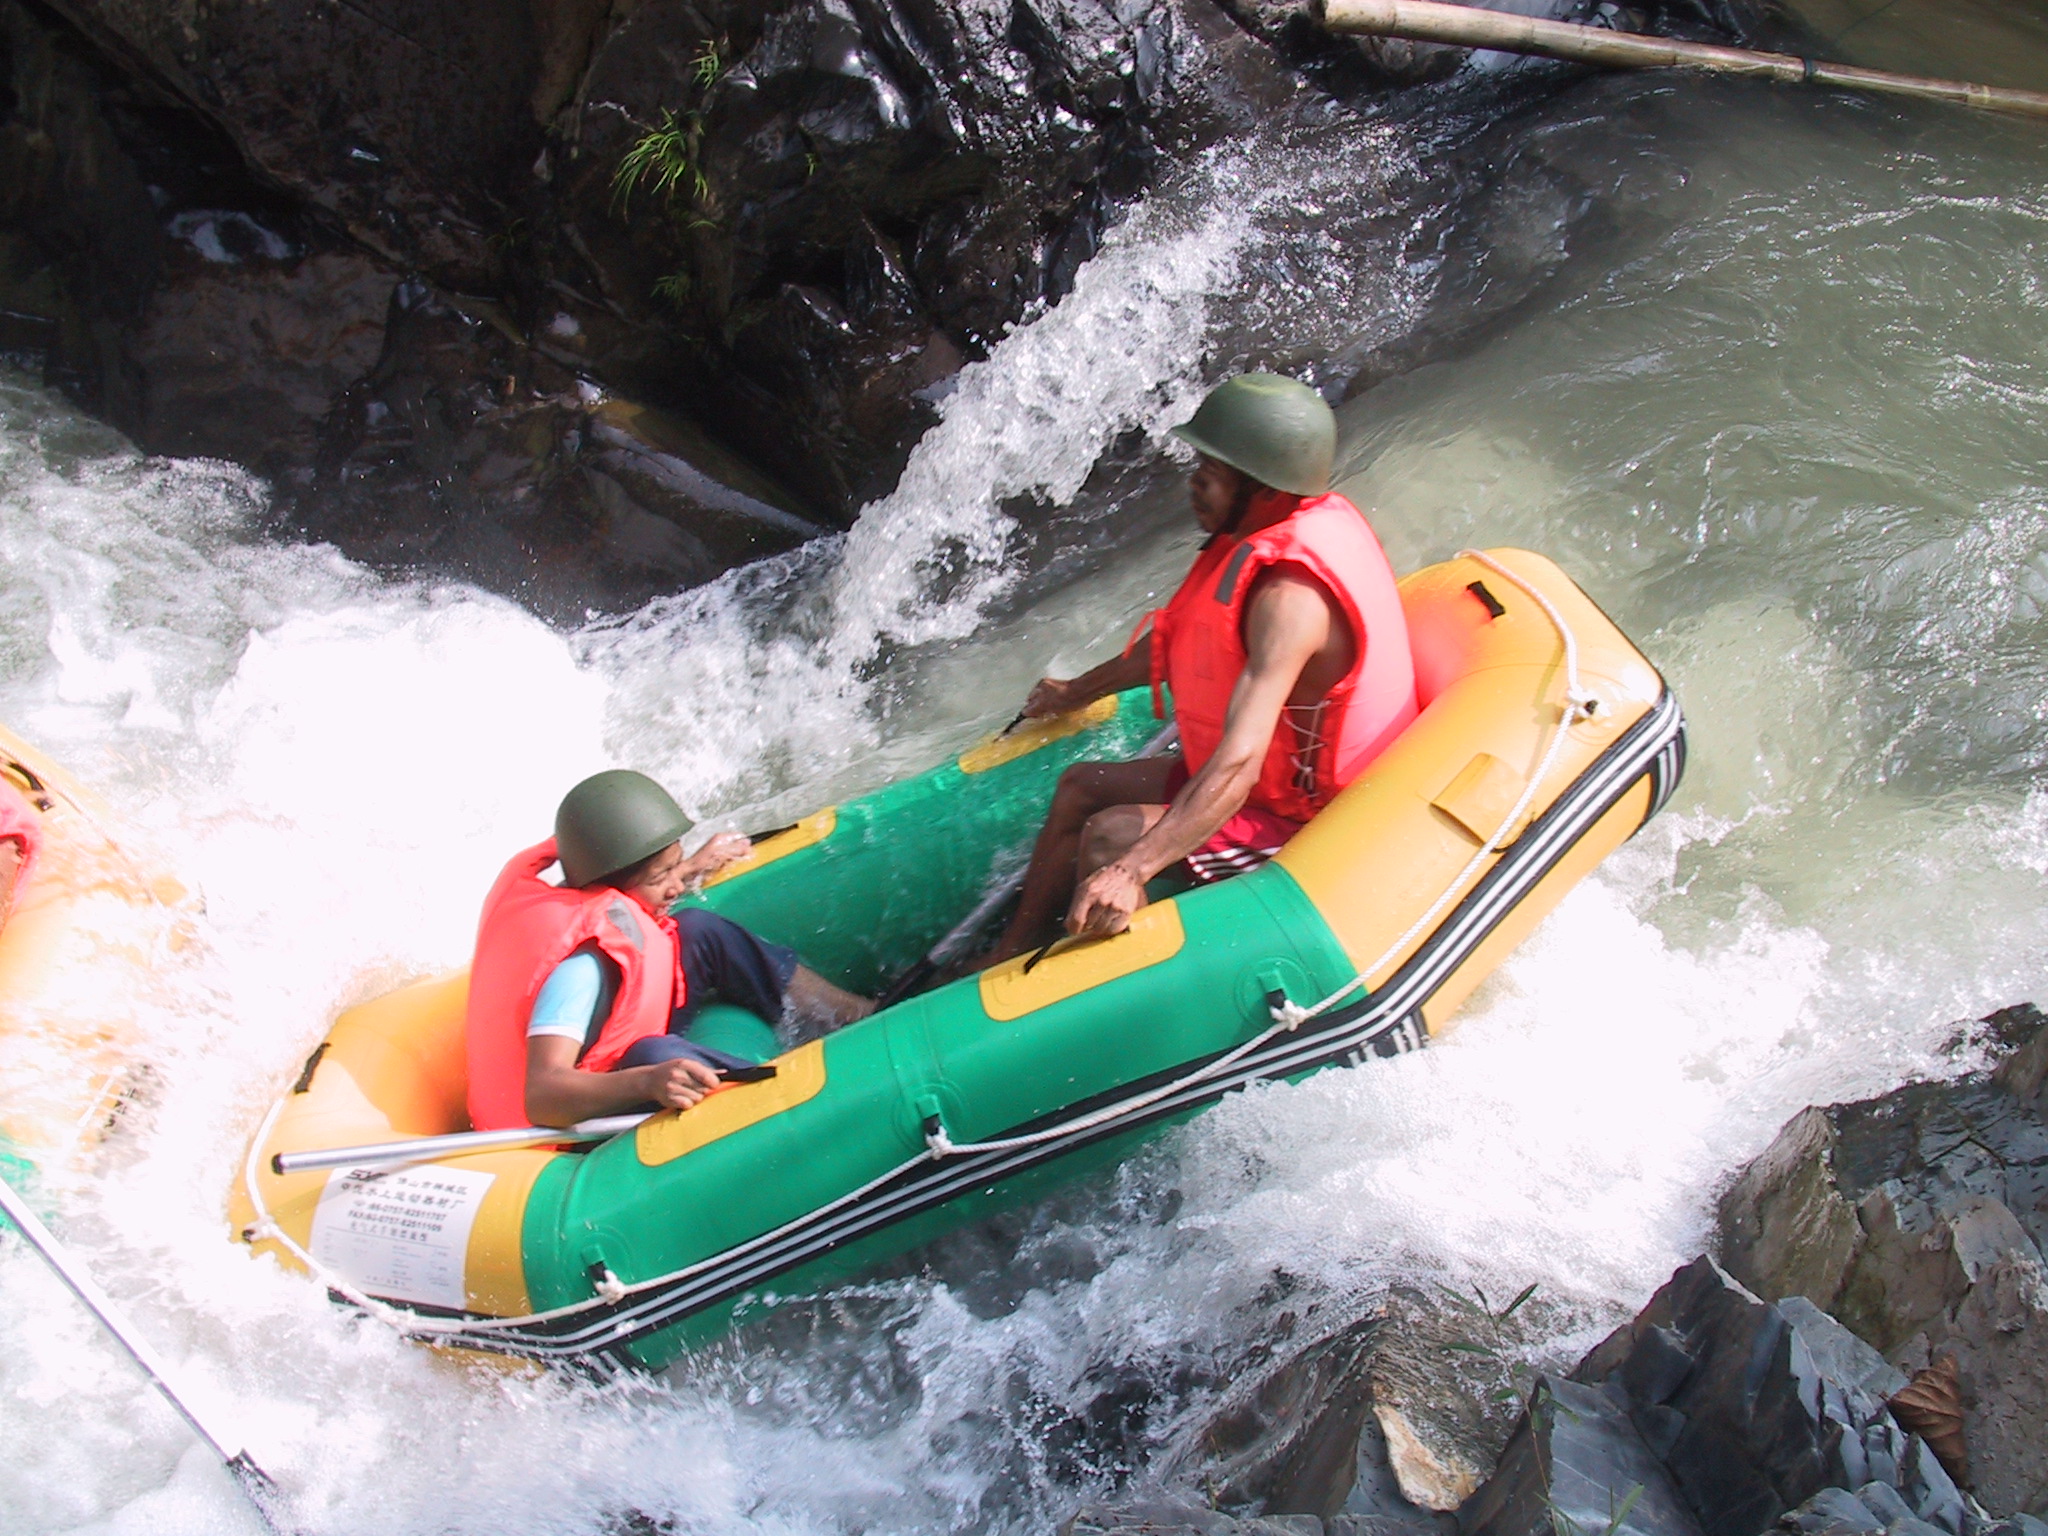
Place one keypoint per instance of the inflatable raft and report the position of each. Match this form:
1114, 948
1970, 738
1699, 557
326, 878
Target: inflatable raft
90, 926
1545, 740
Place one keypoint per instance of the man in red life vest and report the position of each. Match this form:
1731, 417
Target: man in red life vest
1287, 653
578, 991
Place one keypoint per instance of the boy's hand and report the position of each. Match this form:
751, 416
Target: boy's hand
679, 1084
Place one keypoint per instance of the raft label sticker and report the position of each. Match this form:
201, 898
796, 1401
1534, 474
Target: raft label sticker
401, 1233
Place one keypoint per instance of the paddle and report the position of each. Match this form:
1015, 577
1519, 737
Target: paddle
254, 1482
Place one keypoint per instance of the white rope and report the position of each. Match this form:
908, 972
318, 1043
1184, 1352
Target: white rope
266, 1229
1579, 704
610, 1288
943, 1146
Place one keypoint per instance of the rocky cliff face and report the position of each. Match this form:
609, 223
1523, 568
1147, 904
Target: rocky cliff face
540, 287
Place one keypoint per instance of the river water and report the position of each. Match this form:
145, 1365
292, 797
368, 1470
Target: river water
1774, 397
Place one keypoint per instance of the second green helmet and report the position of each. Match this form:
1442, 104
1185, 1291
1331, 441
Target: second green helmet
613, 820
1278, 431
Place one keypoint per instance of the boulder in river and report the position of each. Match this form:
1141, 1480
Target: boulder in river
1712, 1413
1398, 1417
1576, 1457
1918, 1219
1718, 1413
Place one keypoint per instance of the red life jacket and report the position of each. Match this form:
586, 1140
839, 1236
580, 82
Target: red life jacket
528, 928
1198, 649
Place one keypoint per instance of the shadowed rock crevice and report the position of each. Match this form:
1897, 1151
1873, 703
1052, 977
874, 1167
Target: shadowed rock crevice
387, 253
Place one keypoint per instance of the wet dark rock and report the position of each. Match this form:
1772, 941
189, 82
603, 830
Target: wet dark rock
1577, 1457
1727, 1396
874, 192
1716, 1412
465, 447
1445, 1390
1288, 1441
839, 204
1182, 1517
204, 209
1917, 1218
245, 364
1713, 1413
405, 122
1397, 1417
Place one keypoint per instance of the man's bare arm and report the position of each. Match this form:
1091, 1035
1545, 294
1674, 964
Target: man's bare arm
1057, 695
1287, 622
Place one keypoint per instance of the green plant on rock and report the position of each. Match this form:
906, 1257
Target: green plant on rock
1564, 1525
1494, 1345
675, 288
709, 64
663, 162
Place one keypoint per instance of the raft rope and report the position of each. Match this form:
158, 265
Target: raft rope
1578, 705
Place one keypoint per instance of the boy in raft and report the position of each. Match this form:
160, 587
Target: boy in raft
1287, 653
577, 993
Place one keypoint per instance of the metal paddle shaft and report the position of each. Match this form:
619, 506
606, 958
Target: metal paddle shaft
1470, 27
420, 1149
250, 1478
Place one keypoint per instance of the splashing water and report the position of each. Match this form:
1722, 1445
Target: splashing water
1778, 410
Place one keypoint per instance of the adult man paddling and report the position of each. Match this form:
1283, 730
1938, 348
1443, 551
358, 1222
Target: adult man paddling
1288, 658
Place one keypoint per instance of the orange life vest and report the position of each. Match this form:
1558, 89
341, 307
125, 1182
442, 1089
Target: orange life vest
1198, 649
528, 928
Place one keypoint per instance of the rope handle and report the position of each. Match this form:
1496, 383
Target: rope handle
1579, 703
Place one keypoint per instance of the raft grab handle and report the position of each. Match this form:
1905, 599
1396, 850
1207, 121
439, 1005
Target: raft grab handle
421, 1149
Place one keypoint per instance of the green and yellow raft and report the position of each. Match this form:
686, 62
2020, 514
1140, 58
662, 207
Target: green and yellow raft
1545, 740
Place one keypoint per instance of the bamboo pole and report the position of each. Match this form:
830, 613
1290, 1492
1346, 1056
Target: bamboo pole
1466, 26
254, 1482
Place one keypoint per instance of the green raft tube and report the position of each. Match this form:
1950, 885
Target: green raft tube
1545, 740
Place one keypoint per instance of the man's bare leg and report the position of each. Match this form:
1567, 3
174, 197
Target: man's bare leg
1111, 834
1085, 791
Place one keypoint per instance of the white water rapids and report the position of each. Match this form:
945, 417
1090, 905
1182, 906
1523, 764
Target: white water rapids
1780, 411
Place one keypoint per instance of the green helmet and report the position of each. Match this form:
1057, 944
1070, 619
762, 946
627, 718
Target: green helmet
612, 820
1276, 430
